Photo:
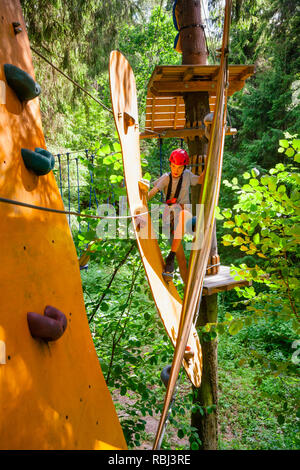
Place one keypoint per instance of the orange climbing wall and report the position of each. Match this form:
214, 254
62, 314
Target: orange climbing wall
52, 396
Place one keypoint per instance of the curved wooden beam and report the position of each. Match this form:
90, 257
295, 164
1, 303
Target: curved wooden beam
165, 295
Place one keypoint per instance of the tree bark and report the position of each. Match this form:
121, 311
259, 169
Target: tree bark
207, 394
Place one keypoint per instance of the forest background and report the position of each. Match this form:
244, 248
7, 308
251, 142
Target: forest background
258, 327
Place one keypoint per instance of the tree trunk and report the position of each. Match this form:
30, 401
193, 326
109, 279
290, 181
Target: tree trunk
194, 52
207, 394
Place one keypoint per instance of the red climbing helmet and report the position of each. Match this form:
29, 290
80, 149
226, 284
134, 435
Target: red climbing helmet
179, 157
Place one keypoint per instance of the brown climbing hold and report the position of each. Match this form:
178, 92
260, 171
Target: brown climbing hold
48, 327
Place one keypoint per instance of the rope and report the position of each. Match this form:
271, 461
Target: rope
58, 211
213, 265
206, 13
78, 190
60, 179
71, 80
69, 192
80, 87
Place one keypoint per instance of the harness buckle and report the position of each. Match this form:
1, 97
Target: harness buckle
172, 201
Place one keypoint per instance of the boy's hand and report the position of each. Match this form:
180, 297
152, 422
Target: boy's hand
144, 185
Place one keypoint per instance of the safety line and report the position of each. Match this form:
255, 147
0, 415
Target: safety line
79, 86
58, 211
71, 80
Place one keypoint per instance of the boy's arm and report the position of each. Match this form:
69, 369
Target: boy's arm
152, 193
194, 179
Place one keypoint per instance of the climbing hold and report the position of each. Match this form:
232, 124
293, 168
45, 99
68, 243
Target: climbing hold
165, 375
39, 161
48, 327
17, 28
21, 82
46, 154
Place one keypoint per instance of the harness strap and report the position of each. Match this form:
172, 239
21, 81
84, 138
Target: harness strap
178, 188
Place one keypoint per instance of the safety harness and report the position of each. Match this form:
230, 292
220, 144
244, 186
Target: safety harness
169, 201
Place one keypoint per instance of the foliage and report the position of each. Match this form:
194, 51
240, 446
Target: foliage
264, 225
265, 220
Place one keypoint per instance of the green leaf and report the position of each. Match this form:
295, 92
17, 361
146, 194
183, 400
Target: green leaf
147, 176
104, 306
256, 238
254, 172
254, 182
235, 327
229, 224
117, 147
228, 316
289, 152
296, 143
227, 213
194, 445
280, 419
284, 143
281, 189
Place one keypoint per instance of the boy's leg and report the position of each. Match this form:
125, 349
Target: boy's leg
183, 218
180, 229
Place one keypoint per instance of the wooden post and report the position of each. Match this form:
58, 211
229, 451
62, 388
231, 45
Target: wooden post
194, 52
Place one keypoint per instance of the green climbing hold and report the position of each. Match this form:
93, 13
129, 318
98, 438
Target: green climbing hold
39, 161
21, 82
46, 154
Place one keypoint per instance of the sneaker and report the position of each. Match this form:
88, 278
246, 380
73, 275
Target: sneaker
169, 268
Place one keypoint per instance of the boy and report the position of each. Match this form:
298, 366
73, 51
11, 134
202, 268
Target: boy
176, 186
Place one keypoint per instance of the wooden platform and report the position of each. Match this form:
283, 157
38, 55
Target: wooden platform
165, 108
223, 281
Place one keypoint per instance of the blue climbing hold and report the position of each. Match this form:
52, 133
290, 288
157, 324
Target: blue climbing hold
39, 161
165, 375
21, 82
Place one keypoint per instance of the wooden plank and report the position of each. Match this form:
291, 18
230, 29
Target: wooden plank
188, 74
53, 395
165, 123
165, 295
223, 281
160, 109
168, 133
177, 117
152, 115
168, 72
165, 116
181, 87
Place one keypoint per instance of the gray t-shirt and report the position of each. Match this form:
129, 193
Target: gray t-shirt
189, 179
